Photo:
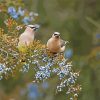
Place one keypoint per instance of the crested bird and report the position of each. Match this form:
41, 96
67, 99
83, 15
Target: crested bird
55, 44
27, 37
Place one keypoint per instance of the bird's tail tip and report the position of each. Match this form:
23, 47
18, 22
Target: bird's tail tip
66, 42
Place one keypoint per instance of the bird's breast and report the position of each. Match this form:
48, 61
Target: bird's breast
53, 46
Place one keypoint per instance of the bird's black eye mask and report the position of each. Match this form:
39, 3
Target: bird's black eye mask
34, 28
56, 35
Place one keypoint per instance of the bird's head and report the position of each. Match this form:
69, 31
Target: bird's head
34, 27
56, 35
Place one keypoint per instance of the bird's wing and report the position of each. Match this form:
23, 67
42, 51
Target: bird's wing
24, 37
62, 42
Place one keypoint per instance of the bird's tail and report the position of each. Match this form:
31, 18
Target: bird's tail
62, 49
66, 42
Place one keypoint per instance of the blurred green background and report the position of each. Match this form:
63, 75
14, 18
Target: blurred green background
78, 21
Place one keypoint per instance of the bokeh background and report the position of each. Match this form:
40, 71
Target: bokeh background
78, 21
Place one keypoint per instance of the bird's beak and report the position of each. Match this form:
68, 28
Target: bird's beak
57, 35
36, 27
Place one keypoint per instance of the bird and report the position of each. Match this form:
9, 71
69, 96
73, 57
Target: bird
55, 44
27, 37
